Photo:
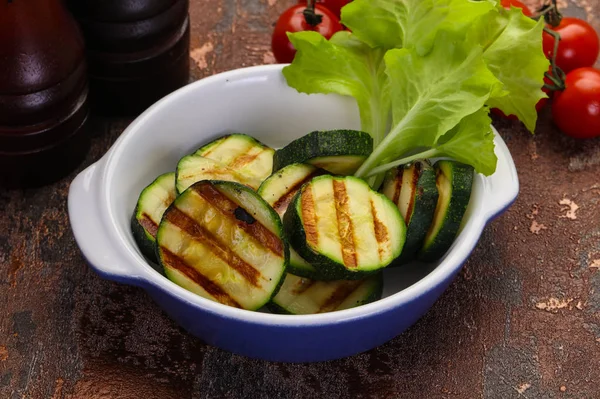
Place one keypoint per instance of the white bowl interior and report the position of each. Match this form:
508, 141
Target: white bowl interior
255, 101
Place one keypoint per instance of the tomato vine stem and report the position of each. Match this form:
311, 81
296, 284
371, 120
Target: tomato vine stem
551, 13
557, 77
310, 15
553, 17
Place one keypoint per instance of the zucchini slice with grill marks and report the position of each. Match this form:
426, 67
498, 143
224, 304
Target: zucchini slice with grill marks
454, 181
343, 228
412, 188
299, 295
222, 241
339, 152
151, 205
194, 168
241, 152
278, 190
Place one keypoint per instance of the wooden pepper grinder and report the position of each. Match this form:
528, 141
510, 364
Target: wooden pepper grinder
137, 51
43, 93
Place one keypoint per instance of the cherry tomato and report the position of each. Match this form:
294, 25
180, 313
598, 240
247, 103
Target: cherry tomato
578, 47
576, 109
516, 3
335, 6
293, 20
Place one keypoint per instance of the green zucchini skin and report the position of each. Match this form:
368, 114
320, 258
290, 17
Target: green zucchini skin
296, 235
190, 255
277, 190
413, 189
375, 294
320, 148
300, 267
327, 267
145, 241
163, 185
305, 296
454, 181
273, 307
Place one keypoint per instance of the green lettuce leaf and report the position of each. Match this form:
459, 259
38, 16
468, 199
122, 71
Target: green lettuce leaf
424, 74
513, 52
471, 142
346, 66
410, 23
430, 96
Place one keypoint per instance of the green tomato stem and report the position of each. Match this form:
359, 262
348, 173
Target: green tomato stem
557, 77
310, 15
553, 16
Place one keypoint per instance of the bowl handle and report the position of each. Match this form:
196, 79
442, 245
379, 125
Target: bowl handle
90, 231
501, 188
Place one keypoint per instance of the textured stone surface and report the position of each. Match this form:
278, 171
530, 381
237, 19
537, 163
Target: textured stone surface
522, 320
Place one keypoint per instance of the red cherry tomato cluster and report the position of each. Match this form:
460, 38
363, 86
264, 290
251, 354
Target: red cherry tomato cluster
576, 100
320, 16
578, 46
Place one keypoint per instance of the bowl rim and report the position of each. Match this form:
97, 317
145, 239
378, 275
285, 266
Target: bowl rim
150, 278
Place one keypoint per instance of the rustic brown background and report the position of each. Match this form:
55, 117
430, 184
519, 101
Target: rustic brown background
521, 321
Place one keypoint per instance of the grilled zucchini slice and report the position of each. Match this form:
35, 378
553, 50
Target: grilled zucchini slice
222, 241
151, 205
304, 296
454, 181
241, 152
278, 190
412, 188
343, 228
234, 157
194, 168
339, 152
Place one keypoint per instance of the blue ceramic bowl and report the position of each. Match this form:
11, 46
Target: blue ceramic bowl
258, 102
